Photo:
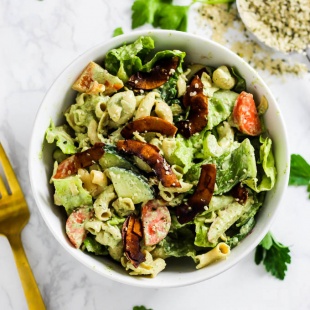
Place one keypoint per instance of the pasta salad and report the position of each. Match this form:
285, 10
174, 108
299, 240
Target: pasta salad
159, 158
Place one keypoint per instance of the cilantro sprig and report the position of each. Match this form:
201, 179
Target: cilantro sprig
164, 14
274, 255
299, 172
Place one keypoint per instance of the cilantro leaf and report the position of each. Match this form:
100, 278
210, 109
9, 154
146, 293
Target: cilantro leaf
140, 308
274, 255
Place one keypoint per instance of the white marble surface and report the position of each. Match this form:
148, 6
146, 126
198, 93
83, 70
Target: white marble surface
40, 38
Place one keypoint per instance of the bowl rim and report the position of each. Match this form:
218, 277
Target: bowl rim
127, 279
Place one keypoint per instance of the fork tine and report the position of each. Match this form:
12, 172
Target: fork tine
8, 171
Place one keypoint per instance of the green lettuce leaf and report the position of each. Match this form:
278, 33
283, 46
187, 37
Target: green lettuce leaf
169, 92
240, 81
182, 154
178, 244
127, 59
92, 246
236, 168
201, 230
63, 140
220, 107
70, 193
164, 54
245, 229
268, 170
223, 143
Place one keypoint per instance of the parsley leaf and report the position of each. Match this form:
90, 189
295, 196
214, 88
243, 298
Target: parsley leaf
274, 255
143, 12
159, 13
163, 14
118, 31
172, 17
140, 308
300, 172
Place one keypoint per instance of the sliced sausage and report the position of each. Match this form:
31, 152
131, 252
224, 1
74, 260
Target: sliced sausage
198, 104
158, 76
201, 197
132, 235
150, 154
75, 225
72, 164
156, 221
149, 124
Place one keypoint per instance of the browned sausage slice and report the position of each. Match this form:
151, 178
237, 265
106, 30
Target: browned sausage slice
72, 164
201, 197
240, 193
195, 87
198, 103
75, 225
158, 76
132, 235
150, 154
197, 117
149, 124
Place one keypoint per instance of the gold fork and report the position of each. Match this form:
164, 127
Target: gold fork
14, 215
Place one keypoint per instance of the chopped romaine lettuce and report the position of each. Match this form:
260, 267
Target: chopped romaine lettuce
214, 146
169, 92
70, 193
92, 246
258, 201
220, 107
240, 165
165, 54
63, 140
241, 83
243, 232
267, 176
232, 168
178, 244
182, 154
127, 59
201, 230
227, 217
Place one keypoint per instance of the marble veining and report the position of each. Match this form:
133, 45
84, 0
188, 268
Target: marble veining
38, 40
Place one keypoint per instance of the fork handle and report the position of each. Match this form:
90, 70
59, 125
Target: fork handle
31, 290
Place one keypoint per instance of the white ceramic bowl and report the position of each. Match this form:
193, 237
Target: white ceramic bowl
178, 272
